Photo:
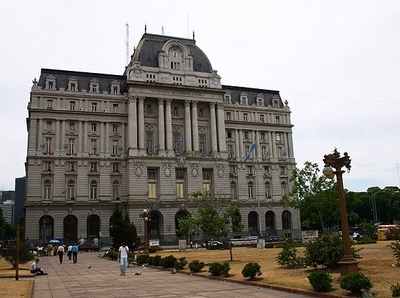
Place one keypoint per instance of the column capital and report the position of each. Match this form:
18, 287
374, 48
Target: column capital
141, 99
168, 100
161, 100
132, 99
187, 103
220, 105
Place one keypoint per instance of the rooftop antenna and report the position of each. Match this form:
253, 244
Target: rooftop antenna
127, 44
187, 16
162, 30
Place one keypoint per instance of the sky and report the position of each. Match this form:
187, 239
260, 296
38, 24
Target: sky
337, 63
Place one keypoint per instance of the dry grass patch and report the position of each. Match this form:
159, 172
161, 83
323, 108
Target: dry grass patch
14, 288
377, 263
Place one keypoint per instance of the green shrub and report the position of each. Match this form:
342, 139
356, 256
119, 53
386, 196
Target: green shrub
150, 260
251, 270
24, 255
168, 261
288, 255
154, 249
142, 259
356, 282
395, 246
321, 281
180, 264
395, 290
366, 240
196, 266
219, 269
112, 255
326, 251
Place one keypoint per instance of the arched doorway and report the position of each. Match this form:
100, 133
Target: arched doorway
154, 225
93, 226
70, 228
253, 223
287, 223
181, 214
270, 227
46, 228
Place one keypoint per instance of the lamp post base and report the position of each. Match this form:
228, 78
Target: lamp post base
347, 266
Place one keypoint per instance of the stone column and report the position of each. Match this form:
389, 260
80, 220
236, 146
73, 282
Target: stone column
107, 137
221, 128
85, 138
123, 142
237, 144
141, 123
40, 138
168, 122
63, 137
188, 127
102, 138
213, 128
241, 149
58, 135
258, 147
195, 127
80, 134
290, 145
132, 123
161, 128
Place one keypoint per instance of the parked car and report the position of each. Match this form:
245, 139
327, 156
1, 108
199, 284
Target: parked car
88, 246
214, 244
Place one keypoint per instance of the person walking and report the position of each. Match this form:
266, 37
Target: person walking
74, 250
123, 258
60, 252
69, 252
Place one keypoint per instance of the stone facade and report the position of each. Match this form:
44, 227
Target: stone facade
148, 139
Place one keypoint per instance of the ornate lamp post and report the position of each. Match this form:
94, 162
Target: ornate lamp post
146, 216
348, 263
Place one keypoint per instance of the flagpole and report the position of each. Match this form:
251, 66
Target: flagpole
258, 196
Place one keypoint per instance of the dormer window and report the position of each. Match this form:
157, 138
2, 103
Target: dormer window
94, 86
244, 99
50, 83
174, 60
227, 98
115, 87
72, 84
260, 101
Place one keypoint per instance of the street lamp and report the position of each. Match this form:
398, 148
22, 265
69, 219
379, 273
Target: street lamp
146, 216
334, 160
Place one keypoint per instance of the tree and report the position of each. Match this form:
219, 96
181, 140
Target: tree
315, 195
122, 230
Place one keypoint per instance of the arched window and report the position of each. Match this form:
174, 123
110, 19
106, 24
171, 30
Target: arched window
115, 190
233, 190
46, 228
71, 190
286, 220
250, 190
283, 188
47, 190
268, 190
93, 190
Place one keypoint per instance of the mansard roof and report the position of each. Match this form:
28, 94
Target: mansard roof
252, 94
151, 45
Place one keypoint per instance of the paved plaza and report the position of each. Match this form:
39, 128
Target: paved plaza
93, 276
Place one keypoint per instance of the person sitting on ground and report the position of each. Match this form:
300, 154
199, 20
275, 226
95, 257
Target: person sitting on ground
35, 269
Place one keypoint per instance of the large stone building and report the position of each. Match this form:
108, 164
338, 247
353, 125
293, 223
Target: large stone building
148, 139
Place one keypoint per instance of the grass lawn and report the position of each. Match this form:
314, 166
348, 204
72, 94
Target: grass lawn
377, 263
14, 288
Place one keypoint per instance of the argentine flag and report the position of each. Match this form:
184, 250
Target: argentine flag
251, 149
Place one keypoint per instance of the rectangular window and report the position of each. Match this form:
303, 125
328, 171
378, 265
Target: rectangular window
71, 166
49, 125
115, 167
152, 183
228, 116
202, 144
278, 136
283, 170
93, 127
278, 119
94, 106
48, 146
264, 154
71, 146
50, 103
94, 167
150, 142
115, 190
72, 105
267, 170
115, 108
115, 128
232, 170
70, 191
250, 170
246, 135
175, 111
72, 126
262, 136
245, 117
115, 147
207, 176
231, 153
47, 165
201, 113
149, 109
94, 88
93, 146
180, 183
262, 118
115, 89
47, 190
73, 87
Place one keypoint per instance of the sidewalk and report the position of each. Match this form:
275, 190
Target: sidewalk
102, 279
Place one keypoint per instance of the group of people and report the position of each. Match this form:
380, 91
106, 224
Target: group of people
72, 252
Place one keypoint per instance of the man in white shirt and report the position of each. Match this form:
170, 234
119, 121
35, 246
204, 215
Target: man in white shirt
123, 257
35, 269
60, 252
